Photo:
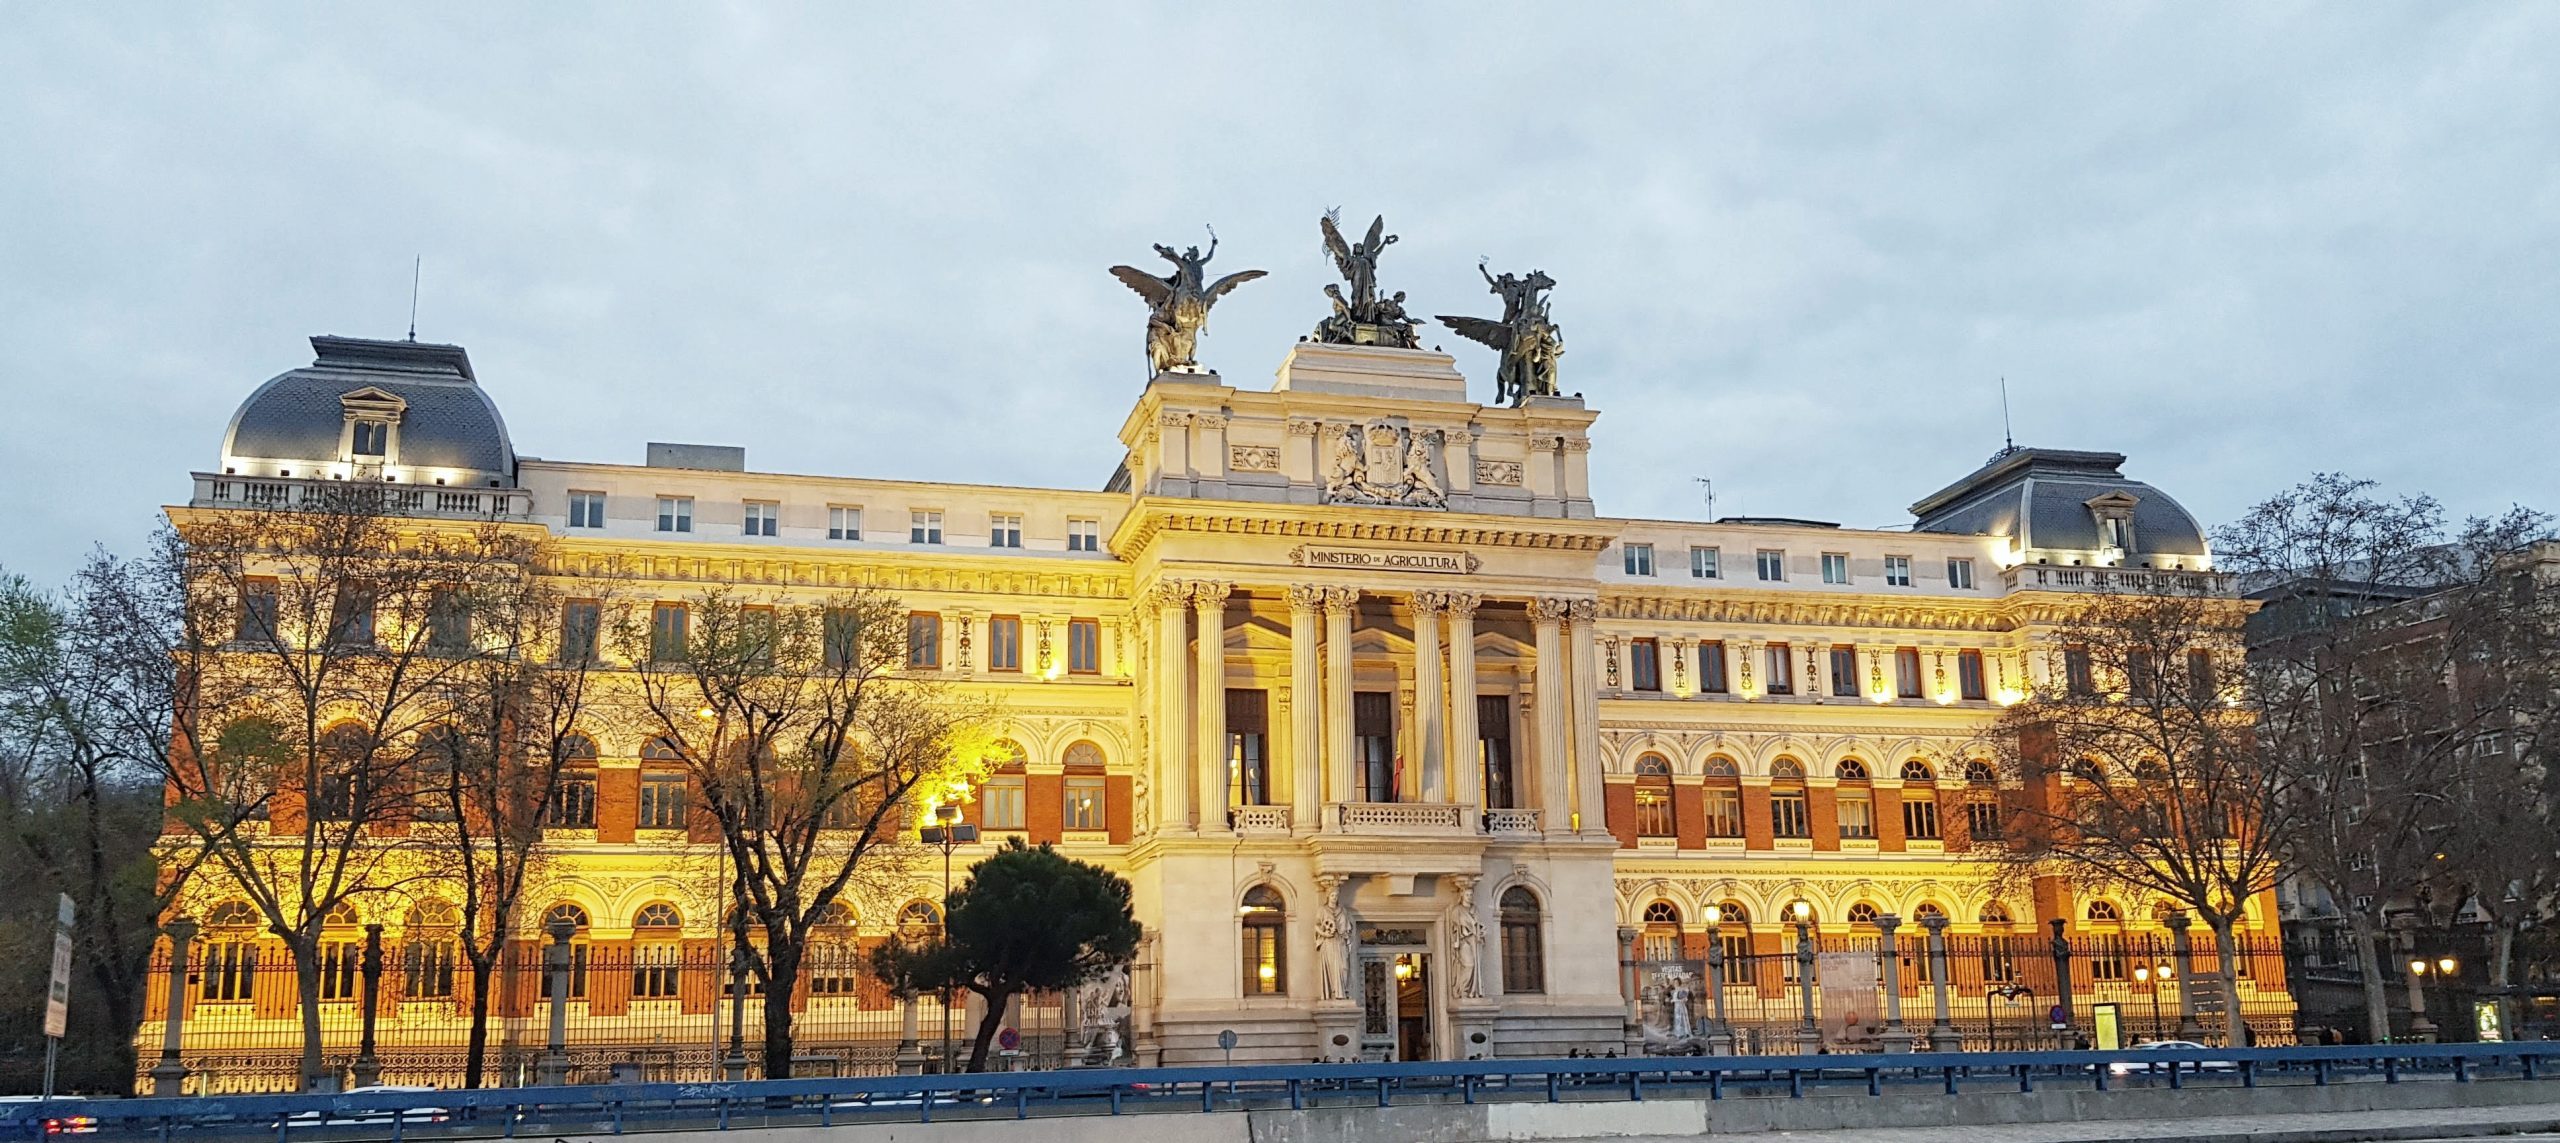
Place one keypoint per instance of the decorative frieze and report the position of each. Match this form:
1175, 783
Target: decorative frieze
1499, 473
1253, 458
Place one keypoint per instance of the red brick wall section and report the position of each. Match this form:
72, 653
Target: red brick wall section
1952, 824
695, 991
1044, 809
1689, 812
608, 974
617, 805
1822, 813
1116, 806
1620, 800
1888, 809
1758, 832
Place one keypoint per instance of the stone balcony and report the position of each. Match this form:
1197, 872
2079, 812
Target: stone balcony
1403, 819
429, 501
2050, 577
1259, 819
1511, 823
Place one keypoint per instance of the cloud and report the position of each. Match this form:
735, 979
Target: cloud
1798, 247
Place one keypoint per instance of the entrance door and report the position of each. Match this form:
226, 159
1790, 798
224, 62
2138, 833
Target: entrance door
1395, 1005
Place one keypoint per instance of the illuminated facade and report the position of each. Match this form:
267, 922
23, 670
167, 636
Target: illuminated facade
1406, 748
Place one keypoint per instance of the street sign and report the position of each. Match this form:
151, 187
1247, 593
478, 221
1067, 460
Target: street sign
57, 997
1008, 1039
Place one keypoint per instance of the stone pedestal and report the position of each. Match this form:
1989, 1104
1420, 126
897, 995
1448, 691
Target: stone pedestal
1337, 1030
1471, 1022
1370, 371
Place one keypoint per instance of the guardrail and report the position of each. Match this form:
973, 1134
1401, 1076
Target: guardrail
614, 1108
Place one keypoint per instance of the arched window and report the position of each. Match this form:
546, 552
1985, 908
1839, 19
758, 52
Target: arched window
1733, 932
230, 953
1722, 767
1788, 816
346, 774
428, 952
1862, 913
1980, 773
565, 911
2105, 912
838, 914
2107, 950
1524, 954
1084, 789
1855, 800
1661, 931
661, 749
1654, 815
1264, 921
1720, 799
657, 915
1916, 770
1787, 768
835, 954
431, 786
1000, 798
1925, 910
341, 952
656, 956
1994, 913
919, 921
1998, 966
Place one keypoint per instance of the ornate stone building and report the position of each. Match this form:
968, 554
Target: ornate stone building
1406, 747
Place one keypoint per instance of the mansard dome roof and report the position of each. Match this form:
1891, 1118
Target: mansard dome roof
2049, 499
443, 422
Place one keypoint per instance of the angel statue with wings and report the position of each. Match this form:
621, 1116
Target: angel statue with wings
1364, 318
1178, 306
1526, 335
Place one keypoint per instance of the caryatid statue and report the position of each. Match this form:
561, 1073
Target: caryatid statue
1527, 336
1178, 306
1363, 318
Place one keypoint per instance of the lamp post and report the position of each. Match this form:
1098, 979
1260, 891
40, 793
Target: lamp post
1809, 1036
1720, 1035
2420, 1028
368, 1066
2149, 978
948, 832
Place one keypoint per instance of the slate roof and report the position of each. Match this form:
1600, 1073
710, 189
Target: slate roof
450, 421
2040, 497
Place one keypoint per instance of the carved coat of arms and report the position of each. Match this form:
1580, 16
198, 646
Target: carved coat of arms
1382, 463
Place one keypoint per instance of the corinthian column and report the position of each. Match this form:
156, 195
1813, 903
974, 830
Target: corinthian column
1209, 607
1586, 717
1556, 705
1307, 712
1431, 743
1171, 724
1339, 602
1468, 771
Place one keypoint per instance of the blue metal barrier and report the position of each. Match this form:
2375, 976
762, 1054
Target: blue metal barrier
614, 1108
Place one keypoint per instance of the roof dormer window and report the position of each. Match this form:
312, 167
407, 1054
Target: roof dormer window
372, 418
372, 438
2113, 512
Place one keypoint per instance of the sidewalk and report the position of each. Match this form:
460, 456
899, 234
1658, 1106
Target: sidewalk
2327, 1127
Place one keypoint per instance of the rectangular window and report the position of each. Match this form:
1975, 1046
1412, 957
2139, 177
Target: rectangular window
662, 801
1493, 749
1857, 814
1644, 665
1997, 964
1782, 669
586, 509
924, 527
230, 971
840, 640
1084, 646
1004, 643
1084, 535
1897, 571
338, 961
448, 622
351, 617
1373, 728
1004, 531
2201, 686
670, 627
1906, 672
2076, 676
1920, 815
427, 967
1723, 812
655, 971
1835, 567
924, 641
1639, 559
581, 621
372, 438
1264, 964
1711, 667
1000, 804
1524, 960
573, 802
1787, 814
844, 523
1773, 565
258, 599
675, 513
1084, 803
1982, 819
1654, 816
1960, 573
1702, 563
763, 518
1844, 672
1248, 752
1969, 674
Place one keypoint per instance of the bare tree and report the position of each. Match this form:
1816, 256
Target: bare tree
319, 641
807, 738
2140, 769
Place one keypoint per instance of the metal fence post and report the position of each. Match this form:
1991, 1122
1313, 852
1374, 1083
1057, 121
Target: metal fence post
169, 1076
1719, 1037
554, 1068
1942, 1030
2061, 987
1809, 1035
368, 1067
1897, 1039
2183, 952
734, 1067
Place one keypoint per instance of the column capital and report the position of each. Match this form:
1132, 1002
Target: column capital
1585, 610
1551, 609
1169, 593
1209, 594
1341, 600
1462, 603
1306, 597
1429, 602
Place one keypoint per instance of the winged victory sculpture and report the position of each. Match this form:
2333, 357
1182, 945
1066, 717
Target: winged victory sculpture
1178, 306
1526, 335
1363, 318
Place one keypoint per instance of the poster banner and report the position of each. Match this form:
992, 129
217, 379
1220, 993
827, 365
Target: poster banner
1851, 989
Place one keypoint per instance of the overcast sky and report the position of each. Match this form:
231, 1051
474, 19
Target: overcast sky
1797, 244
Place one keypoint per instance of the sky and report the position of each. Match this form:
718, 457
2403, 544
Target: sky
1798, 246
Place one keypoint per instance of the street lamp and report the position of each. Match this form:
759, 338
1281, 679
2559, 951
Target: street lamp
2420, 1027
1808, 1037
2151, 978
948, 832
1719, 1035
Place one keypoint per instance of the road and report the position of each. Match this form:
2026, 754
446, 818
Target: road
2527, 1122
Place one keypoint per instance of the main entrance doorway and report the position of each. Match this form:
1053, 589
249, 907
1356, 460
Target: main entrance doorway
1395, 1004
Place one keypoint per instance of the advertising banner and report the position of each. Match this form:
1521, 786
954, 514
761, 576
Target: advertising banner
1852, 999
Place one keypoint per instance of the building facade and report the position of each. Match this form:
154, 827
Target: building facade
1406, 748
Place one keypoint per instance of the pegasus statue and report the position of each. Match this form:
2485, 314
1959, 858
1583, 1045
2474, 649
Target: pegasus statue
1178, 306
1526, 335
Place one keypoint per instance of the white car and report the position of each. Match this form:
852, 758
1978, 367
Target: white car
373, 1117
2138, 1067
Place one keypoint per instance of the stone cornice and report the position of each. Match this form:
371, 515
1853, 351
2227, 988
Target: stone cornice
1348, 522
888, 571
1804, 610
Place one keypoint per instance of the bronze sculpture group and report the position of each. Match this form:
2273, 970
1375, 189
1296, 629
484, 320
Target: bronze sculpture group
1526, 334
